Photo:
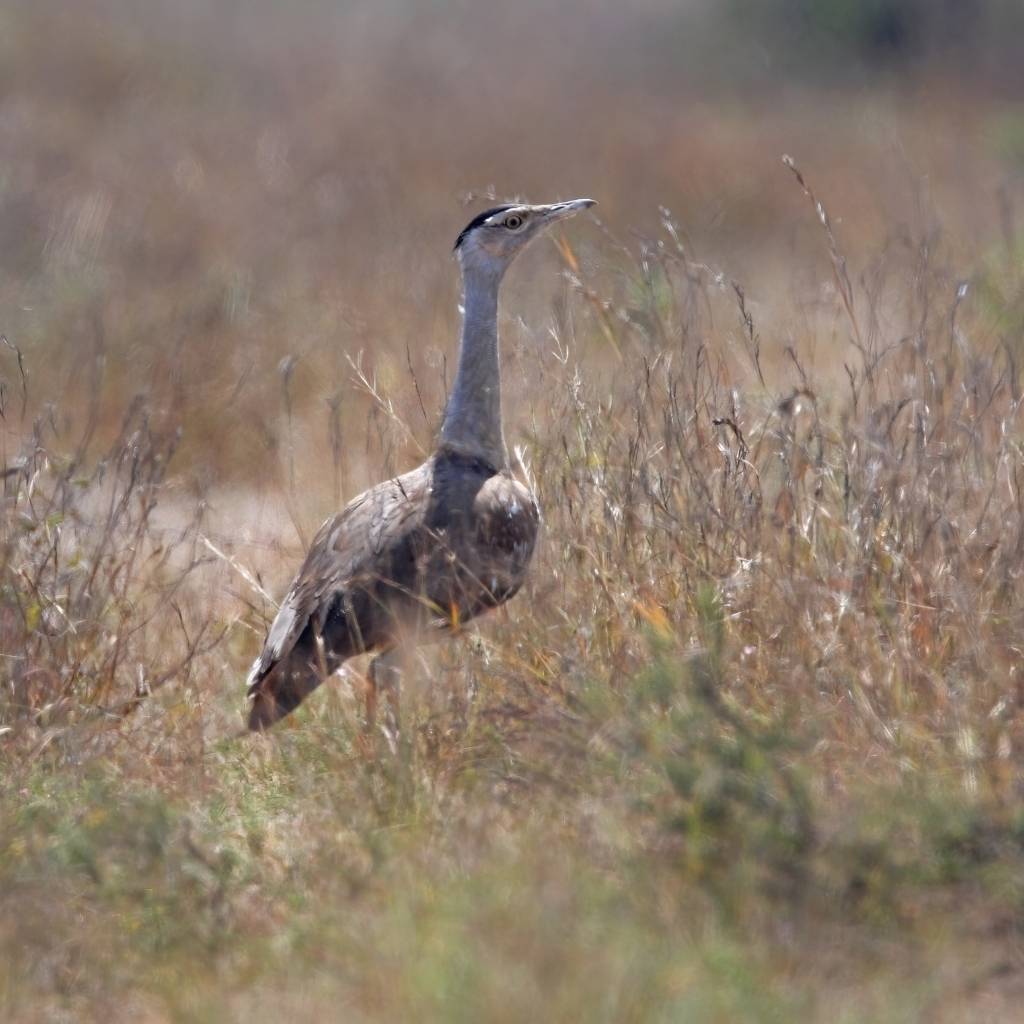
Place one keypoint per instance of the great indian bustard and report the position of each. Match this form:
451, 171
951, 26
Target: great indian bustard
435, 546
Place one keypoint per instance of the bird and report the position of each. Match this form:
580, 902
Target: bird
434, 547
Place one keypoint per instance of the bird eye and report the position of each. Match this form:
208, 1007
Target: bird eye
513, 221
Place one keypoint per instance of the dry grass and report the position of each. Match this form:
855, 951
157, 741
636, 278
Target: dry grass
749, 745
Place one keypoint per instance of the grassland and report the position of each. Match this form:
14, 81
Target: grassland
747, 748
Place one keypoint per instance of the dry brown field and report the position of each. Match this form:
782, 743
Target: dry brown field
750, 744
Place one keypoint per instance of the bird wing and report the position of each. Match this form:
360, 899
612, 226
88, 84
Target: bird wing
349, 546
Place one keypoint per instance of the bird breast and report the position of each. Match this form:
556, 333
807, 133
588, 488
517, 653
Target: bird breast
483, 543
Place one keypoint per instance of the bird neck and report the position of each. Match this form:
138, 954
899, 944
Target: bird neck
472, 422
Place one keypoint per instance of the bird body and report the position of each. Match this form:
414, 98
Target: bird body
431, 549
434, 547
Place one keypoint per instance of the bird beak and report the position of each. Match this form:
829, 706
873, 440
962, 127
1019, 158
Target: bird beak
560, 211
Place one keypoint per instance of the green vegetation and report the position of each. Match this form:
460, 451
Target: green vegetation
887, 32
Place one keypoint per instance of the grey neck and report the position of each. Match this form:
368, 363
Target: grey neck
472, 422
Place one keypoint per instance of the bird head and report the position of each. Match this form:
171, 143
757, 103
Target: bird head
494, 238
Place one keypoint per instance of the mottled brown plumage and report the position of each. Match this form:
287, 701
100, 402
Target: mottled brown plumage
432, 548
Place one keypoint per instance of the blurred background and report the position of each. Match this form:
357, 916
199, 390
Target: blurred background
749, 745
217, 203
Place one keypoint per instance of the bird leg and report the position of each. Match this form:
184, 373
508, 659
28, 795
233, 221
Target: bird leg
385, 677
